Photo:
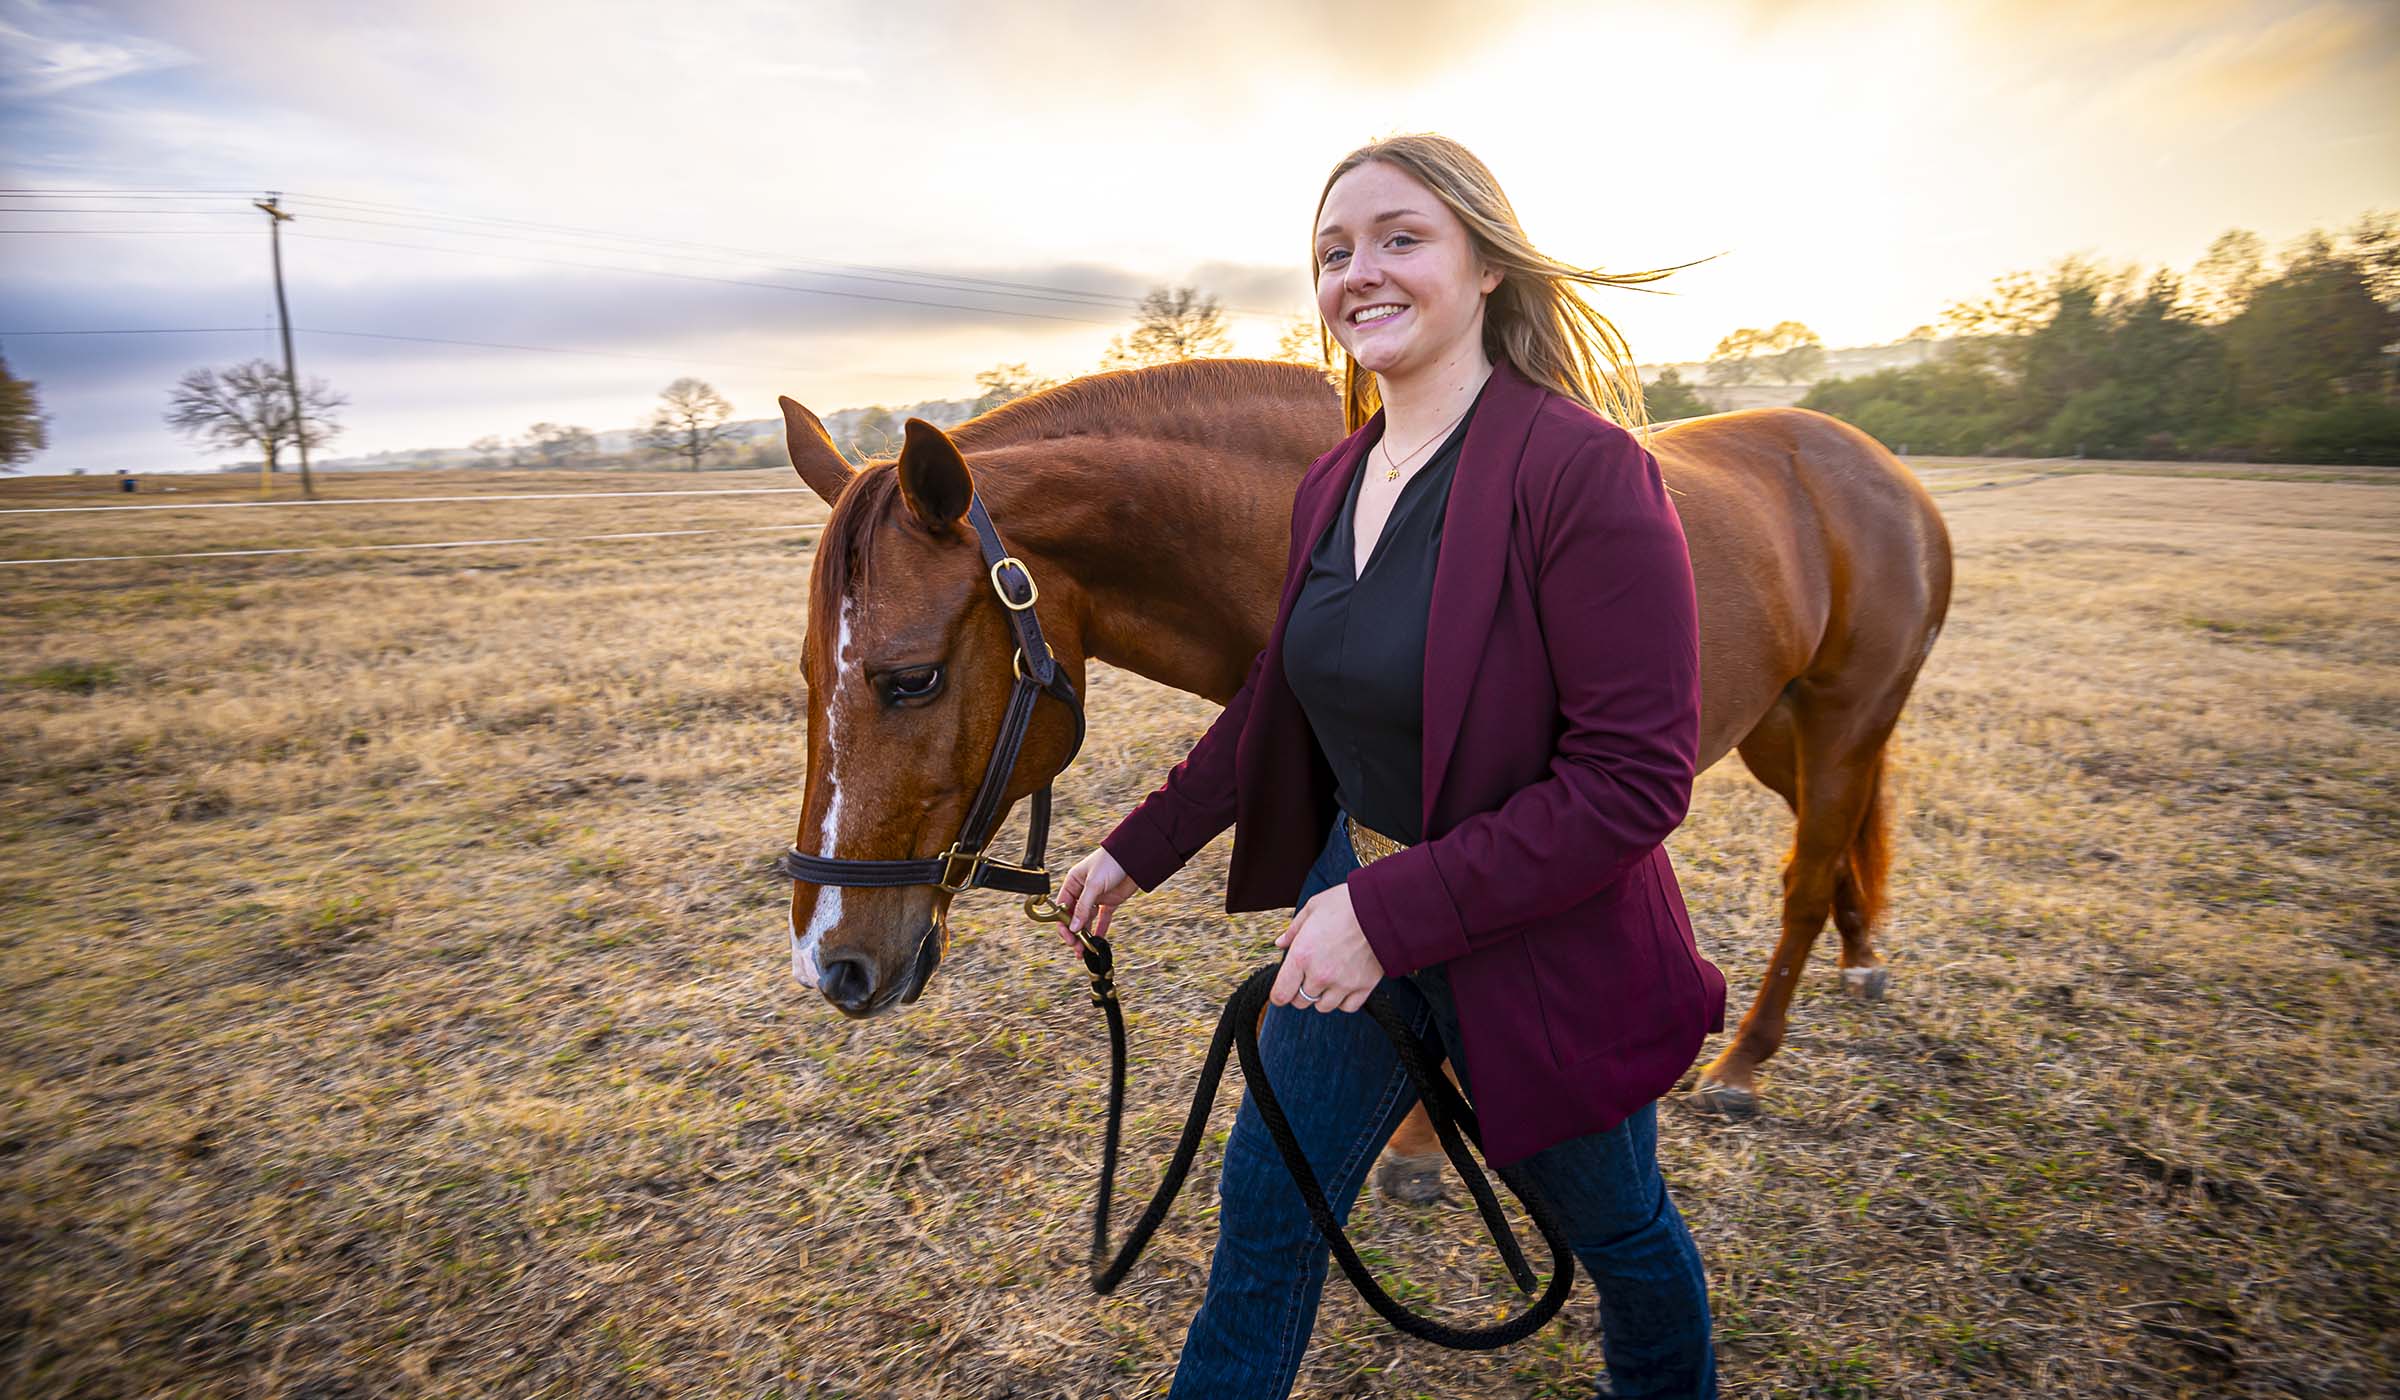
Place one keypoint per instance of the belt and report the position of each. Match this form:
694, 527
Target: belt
1368, 844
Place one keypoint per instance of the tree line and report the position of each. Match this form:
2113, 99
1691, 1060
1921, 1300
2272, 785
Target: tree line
2243, 358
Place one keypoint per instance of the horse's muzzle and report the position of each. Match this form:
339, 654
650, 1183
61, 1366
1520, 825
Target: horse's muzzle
850, 984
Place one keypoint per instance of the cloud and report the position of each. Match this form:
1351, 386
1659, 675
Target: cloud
2202, 85
2258, 67
596, 345
49, 49
1097, 145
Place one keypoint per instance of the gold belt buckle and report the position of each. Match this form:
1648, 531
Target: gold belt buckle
1369, 844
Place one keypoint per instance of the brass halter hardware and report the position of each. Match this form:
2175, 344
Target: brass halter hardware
966, 864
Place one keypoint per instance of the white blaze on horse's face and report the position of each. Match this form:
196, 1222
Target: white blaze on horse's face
828, 910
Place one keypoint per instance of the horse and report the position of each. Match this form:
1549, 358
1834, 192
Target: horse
1153, 507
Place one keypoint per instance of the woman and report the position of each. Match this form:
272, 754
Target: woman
1479, 707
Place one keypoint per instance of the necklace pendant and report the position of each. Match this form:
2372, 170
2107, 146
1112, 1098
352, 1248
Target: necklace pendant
1391, 473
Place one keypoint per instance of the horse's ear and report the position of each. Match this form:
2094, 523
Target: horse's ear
814, 456
933, 476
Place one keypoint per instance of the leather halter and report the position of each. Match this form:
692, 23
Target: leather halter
966, 865
1237, 1028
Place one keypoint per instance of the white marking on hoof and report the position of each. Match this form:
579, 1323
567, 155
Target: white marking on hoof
1865, 983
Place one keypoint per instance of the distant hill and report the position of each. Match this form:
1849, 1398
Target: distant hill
619, 443
1849, 362
616, 446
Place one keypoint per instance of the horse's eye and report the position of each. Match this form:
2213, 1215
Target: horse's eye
920, 684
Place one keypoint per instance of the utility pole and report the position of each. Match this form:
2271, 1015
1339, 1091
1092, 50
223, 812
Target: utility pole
291, 371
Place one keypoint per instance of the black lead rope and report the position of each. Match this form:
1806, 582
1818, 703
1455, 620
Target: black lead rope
967, 864
1237, 1031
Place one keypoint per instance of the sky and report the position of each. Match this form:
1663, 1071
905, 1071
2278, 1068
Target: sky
858, 203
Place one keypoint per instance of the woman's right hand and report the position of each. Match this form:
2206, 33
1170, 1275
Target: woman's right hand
1091, 892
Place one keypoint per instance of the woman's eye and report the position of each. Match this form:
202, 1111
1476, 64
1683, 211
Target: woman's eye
1409, 236
1331, 254
919, 684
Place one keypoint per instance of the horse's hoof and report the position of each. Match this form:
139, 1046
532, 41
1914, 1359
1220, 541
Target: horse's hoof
1415, 1180
1726, 1099
1866, 983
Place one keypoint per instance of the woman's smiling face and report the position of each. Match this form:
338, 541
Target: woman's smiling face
1388, 248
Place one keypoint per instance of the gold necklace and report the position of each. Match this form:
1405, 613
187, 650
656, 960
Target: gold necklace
1391, 470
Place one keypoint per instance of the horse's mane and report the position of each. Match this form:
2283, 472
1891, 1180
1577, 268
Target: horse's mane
1200, 401
1186, 401
844, 546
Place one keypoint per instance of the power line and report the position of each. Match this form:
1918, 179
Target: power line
414, 500
743, 252
725, 253
565, 350
374, 548
1087, 299
125, 194
976, 286
722, 281
195, 213
429, 340
606, 267
514, 229
148, 330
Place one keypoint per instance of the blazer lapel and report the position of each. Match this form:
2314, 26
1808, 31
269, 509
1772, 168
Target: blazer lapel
1466, 576
1317, 512
1467, 573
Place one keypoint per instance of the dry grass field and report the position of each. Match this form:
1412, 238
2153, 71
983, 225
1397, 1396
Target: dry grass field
397, 1000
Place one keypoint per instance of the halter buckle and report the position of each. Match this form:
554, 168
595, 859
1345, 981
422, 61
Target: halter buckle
1031, 591
975, 860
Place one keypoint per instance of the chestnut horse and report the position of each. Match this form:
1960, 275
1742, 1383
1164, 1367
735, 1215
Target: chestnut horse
1153, 507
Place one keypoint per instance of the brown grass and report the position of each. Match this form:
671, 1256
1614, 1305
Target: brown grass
397, 1000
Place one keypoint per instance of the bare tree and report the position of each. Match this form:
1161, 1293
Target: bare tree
1735, 360
1006, 384
871, 434
493, 451
689, 422
1302, 342
1794, 354
250, 405
24, 428
1789, 353
560, 444
1170, 325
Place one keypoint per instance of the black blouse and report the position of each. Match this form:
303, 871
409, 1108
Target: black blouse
1354, 647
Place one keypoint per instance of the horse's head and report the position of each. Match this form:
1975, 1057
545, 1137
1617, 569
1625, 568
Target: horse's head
910, 659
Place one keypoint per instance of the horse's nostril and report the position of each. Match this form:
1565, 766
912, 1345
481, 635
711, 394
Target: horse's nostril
848, 982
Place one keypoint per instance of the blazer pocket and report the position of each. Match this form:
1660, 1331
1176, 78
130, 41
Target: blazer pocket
1601, 975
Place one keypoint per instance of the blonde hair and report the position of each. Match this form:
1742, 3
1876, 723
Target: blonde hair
1534, 318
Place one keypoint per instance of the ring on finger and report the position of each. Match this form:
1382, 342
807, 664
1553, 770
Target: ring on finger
1307, 996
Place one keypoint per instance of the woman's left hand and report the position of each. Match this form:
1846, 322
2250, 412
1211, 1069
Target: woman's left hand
1326, 953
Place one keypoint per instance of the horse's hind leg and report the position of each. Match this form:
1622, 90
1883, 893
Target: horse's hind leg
1858, 893
1412, 1163
1824, 759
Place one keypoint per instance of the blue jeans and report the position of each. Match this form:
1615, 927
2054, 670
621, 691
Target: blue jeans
1345, 1091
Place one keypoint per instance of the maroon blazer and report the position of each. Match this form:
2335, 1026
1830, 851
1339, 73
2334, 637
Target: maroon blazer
1562, 721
